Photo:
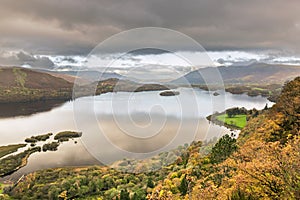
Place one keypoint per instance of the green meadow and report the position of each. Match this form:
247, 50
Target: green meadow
237, 120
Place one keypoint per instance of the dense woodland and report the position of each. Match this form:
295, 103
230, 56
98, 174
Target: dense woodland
263, 163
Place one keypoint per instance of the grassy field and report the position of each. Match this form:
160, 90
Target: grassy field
238, 120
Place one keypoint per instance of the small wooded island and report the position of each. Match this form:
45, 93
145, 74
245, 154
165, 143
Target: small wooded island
169, 93
216, 94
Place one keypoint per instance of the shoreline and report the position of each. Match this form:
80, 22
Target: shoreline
213, 119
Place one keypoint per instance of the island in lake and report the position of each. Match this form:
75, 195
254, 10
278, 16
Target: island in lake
169, 93
10, 162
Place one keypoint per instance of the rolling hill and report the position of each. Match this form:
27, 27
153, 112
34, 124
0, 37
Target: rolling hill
15, 77
26, 85
254, 73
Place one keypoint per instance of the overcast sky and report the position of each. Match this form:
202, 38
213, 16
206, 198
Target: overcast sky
62, 27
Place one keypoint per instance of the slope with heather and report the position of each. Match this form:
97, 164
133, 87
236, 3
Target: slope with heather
25, 85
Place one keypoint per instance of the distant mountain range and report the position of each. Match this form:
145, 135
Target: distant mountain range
27, 85
254, 73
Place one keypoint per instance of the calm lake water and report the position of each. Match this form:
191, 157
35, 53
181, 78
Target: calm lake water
118, 125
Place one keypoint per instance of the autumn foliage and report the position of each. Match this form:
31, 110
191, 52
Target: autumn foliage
264, 163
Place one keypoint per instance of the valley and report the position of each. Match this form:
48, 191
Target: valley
196, 174
170, 171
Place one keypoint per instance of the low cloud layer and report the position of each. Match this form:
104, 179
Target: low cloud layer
75, 26
25, 59
162, 63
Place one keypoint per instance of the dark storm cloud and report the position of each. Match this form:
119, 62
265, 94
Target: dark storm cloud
76, 26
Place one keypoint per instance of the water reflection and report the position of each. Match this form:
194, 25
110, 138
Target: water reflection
110, 118
27, 108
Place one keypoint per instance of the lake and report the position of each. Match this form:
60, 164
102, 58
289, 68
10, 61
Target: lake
122, 125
